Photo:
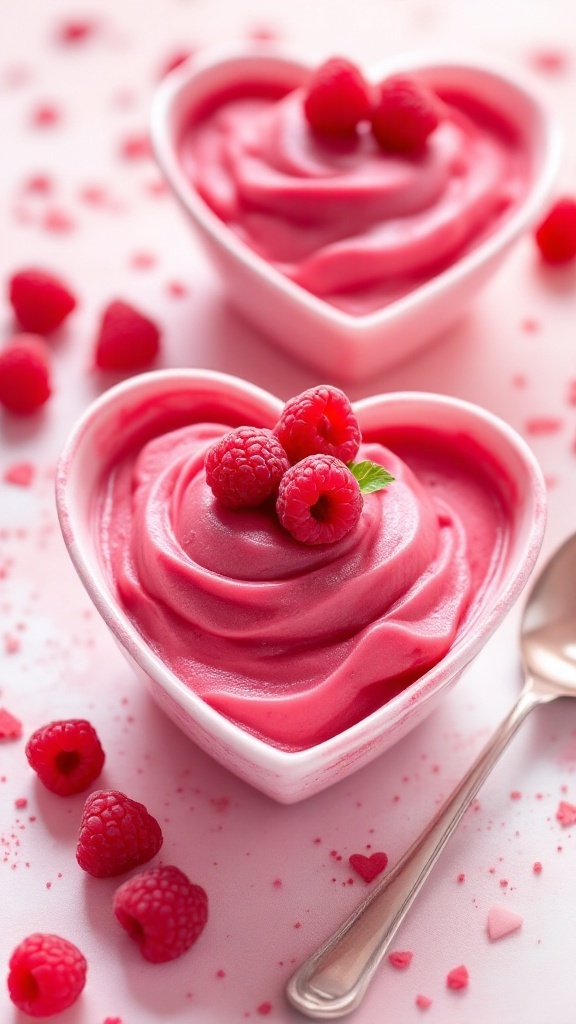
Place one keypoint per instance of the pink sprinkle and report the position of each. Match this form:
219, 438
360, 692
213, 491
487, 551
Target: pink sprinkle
540, 426
423, 1002
75, 30
566, 814
515, 794
503, 883
461, 876
45, 115
10, 726
457, 978
368, 867
220, 973
176, 289
57, 220
135, 147
549, 61
21, 802
537, 867
142, 260
530, 325
20, 473
400, 959
11, 644
264, 1008
40, 184
502, 921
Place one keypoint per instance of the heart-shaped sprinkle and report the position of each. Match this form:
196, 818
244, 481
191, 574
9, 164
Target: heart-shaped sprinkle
502, 921
368, 867
400, 958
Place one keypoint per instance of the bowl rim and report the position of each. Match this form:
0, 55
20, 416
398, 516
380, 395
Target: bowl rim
234, 736
174, 85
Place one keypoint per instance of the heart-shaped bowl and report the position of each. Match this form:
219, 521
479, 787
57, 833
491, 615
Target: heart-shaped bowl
129, 415
333, 341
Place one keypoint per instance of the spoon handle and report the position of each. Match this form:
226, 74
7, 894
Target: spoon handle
334, 979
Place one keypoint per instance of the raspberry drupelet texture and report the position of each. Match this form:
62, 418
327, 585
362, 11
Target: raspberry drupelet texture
24, 374
162, 911
244, 467
46, 974
556, 234
337, 98
404, 116
127, 340
66, 755
116, 834
319, 421
319, 500
40, 300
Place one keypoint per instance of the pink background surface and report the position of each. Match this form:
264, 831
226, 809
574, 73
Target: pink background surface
277, 877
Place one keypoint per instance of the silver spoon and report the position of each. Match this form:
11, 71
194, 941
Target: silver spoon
333, 981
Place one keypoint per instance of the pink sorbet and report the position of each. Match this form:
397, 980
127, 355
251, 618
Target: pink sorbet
345, 219
297, 643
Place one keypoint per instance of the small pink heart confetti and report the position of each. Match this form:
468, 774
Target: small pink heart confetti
368, 867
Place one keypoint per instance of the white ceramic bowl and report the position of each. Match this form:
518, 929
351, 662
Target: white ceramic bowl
335, 343
127, 409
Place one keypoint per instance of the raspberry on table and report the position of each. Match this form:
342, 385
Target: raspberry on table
337, 98
40, 300
24, 374
66, 755
404, 116
126, 340
46, 975
245, 467
556, 234
319, 500
320, 420
162, 911
116, 834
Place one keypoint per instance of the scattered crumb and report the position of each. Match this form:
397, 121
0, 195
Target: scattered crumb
10, 726
400, 959
566, 814
423, 1002
502, 921
537, 867
457, 978
21, 474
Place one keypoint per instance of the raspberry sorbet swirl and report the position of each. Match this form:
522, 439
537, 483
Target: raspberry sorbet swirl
294, 642
348, 220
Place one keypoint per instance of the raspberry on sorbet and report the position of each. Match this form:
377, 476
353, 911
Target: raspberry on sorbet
245, 466
320, 420
404, 115
337, 98
319, 500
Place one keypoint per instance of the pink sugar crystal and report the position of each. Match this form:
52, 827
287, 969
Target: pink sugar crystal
457, 978
502, 921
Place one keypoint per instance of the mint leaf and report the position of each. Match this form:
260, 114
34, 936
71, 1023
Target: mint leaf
371, 476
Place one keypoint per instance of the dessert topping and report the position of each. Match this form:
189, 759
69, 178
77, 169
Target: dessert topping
245, 467
40, 300
404, 115
24, 374
116, 834
46, 975
368, 867
66, 755
556, 234
319, 500
162, 911
337, 98
457, 978
320, 420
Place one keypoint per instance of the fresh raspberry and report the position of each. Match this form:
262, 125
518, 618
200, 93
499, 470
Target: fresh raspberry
556, 234
46, 975
116, 834
244, 467
41, 301
162, 911
126, 339
404, 116
24, 374
319, 421
67, 756
319, 500
337, 98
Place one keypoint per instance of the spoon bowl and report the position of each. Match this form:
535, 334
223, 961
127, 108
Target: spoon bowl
334, 979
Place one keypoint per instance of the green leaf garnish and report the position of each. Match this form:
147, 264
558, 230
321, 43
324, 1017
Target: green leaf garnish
370, 476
